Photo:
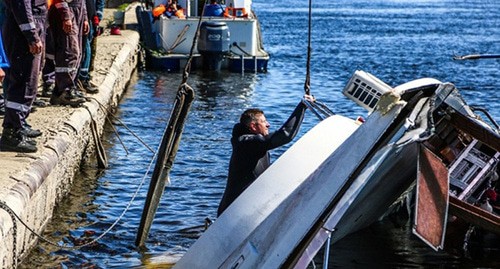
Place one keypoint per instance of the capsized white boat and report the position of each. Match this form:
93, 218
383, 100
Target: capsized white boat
232, 41
341, 176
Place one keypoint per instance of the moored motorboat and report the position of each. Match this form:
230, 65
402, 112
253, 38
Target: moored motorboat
231, 41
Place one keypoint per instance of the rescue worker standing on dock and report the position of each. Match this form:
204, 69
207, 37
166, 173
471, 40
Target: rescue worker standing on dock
68, 22
48, 68
94, 15
23, 36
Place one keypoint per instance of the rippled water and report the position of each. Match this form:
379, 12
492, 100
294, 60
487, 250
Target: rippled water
397, 41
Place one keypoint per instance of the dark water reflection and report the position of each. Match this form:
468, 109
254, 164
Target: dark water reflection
396, 40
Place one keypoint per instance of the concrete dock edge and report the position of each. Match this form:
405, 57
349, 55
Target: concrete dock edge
32, 184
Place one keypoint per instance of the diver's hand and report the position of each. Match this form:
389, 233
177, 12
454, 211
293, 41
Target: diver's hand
309, 98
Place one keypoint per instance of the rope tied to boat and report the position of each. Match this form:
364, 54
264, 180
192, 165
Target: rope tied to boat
187, 68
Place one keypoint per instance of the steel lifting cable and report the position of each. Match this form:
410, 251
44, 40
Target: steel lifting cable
307, 83
187, 68
169, 145
316, 107
319, 109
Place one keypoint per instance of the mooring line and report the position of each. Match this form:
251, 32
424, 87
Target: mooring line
14, 216
124, 125
102, 160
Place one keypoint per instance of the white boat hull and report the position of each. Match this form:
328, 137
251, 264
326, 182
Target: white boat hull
337, 179
277, 211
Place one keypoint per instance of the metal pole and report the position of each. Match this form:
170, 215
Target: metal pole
255, 63
242, 65
327, 251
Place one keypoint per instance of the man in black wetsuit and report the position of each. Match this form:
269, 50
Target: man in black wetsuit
251, 141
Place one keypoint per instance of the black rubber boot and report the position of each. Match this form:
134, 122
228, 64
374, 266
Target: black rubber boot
67, 98
16, 141
48, 89
30, 132
89, 88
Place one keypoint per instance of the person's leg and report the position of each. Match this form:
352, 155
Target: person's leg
83, 74
2, 105
67, 60
48, 71
21, 87
36, 68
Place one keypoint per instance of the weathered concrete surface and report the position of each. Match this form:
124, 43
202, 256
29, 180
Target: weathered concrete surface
32, 184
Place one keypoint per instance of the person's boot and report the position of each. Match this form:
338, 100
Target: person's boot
67, 98
39, 103
78, 93
30, 132
16, 141
89, 87
47, 89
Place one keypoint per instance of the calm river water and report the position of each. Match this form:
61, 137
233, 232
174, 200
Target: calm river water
396, 40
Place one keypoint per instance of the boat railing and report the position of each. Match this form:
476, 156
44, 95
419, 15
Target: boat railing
488, 115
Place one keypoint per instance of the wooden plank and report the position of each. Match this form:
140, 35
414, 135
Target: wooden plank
432, 199
475, 215
476, 130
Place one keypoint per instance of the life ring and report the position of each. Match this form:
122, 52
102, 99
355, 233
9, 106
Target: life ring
230, 12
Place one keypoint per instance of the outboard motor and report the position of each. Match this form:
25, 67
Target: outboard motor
213, 44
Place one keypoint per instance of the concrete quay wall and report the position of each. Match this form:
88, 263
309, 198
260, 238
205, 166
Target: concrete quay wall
32, 184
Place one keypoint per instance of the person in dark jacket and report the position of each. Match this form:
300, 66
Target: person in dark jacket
23, 36
68, 23
251, 142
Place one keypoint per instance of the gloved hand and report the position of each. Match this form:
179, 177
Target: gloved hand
95, 21
309, 98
